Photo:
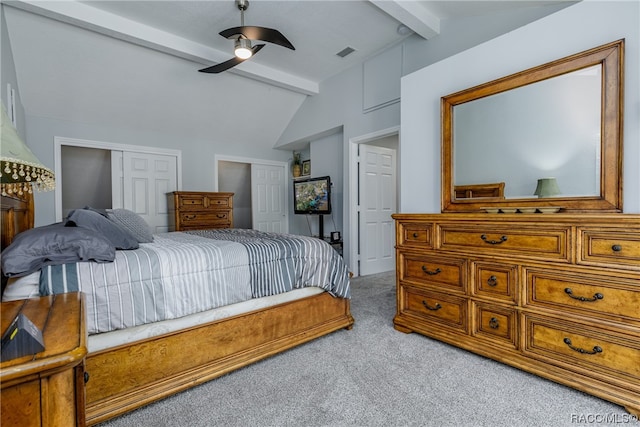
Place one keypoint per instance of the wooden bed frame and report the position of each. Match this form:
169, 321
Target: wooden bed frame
126, 377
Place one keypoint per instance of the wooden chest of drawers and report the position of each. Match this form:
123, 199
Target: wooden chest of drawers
195, 210
556, 295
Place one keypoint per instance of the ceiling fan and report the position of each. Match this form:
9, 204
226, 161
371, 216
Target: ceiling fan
243, 35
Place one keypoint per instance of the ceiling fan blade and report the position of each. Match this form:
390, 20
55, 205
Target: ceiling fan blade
224, 66
258, 33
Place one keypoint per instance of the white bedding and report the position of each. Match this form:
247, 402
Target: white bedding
22, 287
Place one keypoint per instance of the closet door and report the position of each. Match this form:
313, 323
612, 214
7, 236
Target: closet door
146, 179
117, 179
133, 177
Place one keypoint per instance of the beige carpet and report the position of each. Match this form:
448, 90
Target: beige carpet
374, 375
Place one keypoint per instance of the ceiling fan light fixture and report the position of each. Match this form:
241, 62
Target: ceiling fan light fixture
243, 48
242, 37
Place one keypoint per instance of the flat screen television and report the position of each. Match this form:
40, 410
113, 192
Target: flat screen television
312, 196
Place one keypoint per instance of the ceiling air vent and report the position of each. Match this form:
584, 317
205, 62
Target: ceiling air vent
346, 51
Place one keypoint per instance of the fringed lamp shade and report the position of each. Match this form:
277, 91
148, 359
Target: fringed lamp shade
20, 170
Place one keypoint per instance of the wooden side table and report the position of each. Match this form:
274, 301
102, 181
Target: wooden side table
46, 389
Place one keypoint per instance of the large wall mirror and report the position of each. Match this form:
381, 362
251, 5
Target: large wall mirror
548, 137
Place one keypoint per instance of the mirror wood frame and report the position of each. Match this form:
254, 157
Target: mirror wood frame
611, 58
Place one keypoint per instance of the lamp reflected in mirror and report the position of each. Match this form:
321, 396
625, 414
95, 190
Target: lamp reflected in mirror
547, 187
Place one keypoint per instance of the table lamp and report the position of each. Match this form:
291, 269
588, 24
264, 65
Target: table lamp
20, 169
547, 187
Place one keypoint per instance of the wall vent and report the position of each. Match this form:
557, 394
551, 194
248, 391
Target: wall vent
346, 51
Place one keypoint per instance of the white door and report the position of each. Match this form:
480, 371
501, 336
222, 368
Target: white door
146, 180
117, 179
268, 201
377, 203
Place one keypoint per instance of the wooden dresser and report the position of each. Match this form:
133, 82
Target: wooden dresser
557, 295
196, 210
47, 389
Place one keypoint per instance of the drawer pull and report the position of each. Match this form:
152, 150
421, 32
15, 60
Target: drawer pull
492, 281
415, 235
434, 308
616, 248
86, 377
595, 297
190, 217
494, 323
222, 215
596, 349
431, 272
493, 242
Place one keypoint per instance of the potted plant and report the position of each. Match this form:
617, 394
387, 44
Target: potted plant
296, 168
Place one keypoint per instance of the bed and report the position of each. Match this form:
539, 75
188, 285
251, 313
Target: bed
131, 363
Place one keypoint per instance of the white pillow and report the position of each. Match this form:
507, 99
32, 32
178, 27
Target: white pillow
22, 287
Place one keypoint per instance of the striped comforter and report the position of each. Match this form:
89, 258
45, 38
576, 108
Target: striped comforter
182, 273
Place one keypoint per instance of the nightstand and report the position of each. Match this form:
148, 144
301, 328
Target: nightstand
47, 388
337, 245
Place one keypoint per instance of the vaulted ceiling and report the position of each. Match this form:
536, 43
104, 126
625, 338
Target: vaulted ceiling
132, 65
318, 29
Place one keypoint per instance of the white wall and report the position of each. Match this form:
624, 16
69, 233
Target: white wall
326, 159
577, 28
8, 74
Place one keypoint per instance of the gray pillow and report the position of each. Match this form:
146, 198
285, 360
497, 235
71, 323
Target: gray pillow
132, 222
119, 237
54, 244
102, 212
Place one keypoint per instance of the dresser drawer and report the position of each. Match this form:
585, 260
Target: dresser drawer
198, 202
496, 281
598, 295
573, 345
417, 234
449, 273
548, 243
499, 324
602, 247
208, 219
443, 309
